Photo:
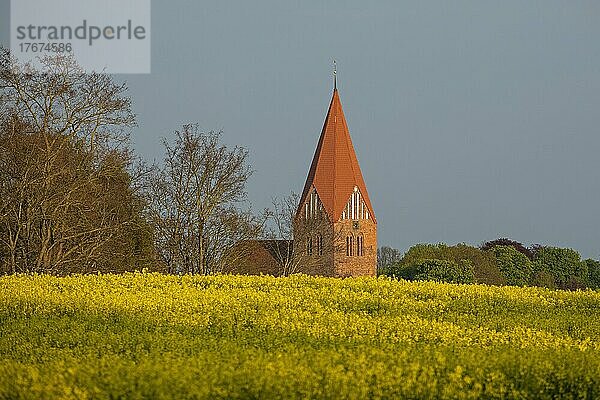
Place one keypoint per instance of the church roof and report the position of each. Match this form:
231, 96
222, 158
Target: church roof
334, 171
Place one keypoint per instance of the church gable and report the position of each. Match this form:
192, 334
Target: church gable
313, 207
356, 207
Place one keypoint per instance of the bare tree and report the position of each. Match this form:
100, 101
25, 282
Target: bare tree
73, 217
231, 232
63, 100
300, 243
66, 196
280, 233
192, 202
386, 257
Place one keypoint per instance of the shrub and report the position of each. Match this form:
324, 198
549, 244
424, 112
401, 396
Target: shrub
543, 279
575, 283
483, 262
437, 270
514, 265
593, 267
444, 271
564, 265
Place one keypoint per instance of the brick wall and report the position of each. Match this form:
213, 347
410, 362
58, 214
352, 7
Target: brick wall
356, 265
315, 264
334, 261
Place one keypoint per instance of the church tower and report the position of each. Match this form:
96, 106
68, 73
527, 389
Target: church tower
335, 225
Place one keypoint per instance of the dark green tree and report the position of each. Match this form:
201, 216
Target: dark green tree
565, 266
593, 267
514, 265
543, 279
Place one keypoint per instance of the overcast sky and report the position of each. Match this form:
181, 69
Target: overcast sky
472, 120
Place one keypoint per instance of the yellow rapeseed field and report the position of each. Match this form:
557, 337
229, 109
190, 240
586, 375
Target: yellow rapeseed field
153, 336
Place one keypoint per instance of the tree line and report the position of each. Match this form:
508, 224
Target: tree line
74, 198
498, 262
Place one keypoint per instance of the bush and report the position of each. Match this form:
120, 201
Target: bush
564, 265
514, 265
483, 262
593, 267
445, 271
575, 283
543, 279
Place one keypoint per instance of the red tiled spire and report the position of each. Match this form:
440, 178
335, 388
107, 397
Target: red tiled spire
334, 171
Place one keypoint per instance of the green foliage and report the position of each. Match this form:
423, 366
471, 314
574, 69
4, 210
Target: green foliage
445, 271
593, 267
564, 265
543, 279
483, 263
151, 336
515, 266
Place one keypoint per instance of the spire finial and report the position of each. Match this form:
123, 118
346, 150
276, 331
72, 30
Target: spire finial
334, 75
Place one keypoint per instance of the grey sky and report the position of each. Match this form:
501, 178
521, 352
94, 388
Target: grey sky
472, 120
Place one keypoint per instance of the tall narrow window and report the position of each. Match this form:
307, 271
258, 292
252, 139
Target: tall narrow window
349, 246
359, 245
309, 247
320, 244
313, 205
355, 207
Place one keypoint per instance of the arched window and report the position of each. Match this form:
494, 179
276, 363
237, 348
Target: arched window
349, 245
319, 244
360, 245
309, 246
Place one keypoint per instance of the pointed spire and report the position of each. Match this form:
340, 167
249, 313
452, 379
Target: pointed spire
334, 171
334, 75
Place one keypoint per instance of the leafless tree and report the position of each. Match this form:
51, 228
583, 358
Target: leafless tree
66, 199
61, 99
386, 257
230, 233
71, 217
192, 202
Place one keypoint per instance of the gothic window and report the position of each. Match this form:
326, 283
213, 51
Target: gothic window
313, 205
309, 247
349, 245
319, 244
355, 208
359, 245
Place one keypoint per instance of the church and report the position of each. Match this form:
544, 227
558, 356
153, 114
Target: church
335, 229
